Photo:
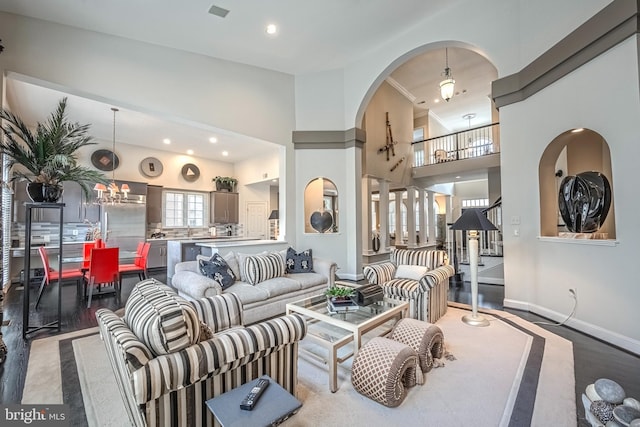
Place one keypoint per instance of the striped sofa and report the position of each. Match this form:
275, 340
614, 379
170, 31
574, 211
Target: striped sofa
427, 294
170, 355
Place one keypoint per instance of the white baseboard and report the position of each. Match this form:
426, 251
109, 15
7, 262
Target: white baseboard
349, 276
610, 337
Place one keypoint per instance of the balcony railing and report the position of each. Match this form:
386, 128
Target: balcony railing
466, 144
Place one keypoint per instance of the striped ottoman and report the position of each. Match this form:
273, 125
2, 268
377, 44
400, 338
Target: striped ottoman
383, 369
425, 338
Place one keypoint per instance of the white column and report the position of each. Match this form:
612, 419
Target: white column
398, 196
383, 212
411, 217
367, 225
432, 218
422, 217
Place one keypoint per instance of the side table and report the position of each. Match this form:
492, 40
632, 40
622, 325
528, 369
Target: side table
274, 406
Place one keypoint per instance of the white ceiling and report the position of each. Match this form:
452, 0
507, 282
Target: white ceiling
312, 36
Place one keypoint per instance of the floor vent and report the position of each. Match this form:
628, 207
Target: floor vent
218, 11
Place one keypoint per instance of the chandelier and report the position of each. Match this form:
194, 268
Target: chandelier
111, 193
448, 84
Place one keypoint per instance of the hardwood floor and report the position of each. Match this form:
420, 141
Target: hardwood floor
593, 358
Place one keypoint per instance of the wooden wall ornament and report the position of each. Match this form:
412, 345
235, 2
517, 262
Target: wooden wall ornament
389, 146
394, 167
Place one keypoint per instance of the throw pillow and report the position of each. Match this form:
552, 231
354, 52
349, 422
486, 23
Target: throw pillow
258, 268
414, 272
160, 318
216, 268
299, 262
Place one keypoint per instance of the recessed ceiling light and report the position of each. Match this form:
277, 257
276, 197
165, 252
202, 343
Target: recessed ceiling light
166, 141
225, 153
458, 177
213, 140
577, 130
272, 29
436, 100
189, 152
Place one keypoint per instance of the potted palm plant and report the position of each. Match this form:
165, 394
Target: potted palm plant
47, 155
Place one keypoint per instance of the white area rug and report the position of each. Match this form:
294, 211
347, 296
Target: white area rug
500, 371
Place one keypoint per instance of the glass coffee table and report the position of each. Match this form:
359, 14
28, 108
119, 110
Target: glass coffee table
335, 330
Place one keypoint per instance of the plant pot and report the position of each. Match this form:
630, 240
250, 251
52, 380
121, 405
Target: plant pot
221, 186
40, 192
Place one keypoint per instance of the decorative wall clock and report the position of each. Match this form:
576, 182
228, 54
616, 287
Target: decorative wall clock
190, 172
105, 160
151, 167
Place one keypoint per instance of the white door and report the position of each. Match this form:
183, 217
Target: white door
257, 220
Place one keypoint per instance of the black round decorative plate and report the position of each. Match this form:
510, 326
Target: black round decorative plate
151, 167
105, 160
190, 172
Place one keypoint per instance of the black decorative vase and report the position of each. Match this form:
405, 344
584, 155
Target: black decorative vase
52, 193
40, 192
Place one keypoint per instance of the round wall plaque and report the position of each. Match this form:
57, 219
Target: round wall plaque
190, 172
105, 160
151, 167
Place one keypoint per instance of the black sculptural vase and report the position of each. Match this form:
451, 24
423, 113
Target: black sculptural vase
584, 201
321, 221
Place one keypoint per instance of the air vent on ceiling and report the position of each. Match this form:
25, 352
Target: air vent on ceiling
218, 11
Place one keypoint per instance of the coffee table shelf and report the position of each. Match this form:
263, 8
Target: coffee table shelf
335, 330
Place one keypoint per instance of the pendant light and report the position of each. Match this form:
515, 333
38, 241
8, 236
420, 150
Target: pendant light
448, 84
110, 193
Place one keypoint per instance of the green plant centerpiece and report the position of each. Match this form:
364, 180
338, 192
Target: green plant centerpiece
225, 183
47, 155
339, 293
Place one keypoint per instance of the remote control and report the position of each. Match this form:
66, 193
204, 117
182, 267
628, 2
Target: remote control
249, 402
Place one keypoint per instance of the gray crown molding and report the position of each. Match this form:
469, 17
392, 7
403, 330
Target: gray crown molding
329, 139
612, 25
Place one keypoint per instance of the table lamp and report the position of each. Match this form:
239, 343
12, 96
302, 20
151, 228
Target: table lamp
473, 220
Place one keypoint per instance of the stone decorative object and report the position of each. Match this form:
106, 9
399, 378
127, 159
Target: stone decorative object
631, 402
584, 201
321, 221
602, 410
609, 390
606, 405
625, 414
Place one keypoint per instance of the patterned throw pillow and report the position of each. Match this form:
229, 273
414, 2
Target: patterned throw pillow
299, 262
162, 320
258, 268
216, 268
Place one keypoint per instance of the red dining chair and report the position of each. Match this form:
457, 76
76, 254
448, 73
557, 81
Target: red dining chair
103, 269
139, 265
53, 275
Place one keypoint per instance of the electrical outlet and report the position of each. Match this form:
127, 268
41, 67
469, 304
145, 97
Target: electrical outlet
573, 292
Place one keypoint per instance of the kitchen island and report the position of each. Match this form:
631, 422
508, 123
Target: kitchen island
188, 249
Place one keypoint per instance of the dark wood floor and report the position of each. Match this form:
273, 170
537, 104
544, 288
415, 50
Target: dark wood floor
593, 358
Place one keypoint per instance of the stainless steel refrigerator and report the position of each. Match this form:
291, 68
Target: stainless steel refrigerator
124, 224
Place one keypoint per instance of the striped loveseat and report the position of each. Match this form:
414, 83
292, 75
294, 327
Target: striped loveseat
170, 355
419, 277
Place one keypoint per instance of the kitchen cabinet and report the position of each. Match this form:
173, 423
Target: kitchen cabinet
77, 206
190, 252
154, 204
157, 254
224, 207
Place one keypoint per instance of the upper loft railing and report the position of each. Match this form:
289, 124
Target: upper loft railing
466, 144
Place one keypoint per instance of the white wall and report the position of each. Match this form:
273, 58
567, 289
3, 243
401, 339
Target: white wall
539, 273
241, 98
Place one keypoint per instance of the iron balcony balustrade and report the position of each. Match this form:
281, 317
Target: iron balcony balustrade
467, 144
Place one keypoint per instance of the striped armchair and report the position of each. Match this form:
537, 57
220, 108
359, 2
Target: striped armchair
426, 291
166, 376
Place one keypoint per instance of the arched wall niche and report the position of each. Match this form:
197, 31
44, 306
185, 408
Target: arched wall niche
321, 206
570, 153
